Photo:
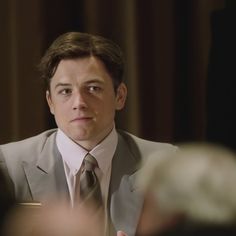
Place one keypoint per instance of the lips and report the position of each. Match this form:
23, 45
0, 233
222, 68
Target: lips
82, 118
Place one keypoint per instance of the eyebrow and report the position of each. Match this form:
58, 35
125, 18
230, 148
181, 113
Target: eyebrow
94, 82
86, 82
61, 85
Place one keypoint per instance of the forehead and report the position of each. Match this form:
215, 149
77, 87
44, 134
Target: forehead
81, 69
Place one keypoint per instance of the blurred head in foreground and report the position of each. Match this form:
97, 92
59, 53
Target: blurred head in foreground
7, 201
192, 191
54, 219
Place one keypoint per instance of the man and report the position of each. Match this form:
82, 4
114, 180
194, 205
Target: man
83, 75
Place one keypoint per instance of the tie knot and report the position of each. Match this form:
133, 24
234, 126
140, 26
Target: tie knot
90, 162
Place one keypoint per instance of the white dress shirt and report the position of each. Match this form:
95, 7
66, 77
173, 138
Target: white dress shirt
73, 155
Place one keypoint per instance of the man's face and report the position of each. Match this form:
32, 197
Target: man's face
83, 100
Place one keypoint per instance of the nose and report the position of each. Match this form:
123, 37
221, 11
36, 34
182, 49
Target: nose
79, 101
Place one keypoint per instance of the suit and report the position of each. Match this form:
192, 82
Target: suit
36, 170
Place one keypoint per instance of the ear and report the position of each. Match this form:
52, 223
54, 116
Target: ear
121, 95
49, 101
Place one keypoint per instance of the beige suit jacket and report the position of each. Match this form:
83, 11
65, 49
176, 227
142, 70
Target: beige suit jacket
35, 168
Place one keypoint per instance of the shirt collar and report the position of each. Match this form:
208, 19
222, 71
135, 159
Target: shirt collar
105, 150
73, 154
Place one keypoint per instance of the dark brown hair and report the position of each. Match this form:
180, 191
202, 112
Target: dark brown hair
74, 45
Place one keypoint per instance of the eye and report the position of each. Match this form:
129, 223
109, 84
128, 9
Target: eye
65, 91
94, 89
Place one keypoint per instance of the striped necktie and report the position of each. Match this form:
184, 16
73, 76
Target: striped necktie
90, 190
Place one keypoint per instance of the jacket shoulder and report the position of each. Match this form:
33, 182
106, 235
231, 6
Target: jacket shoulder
27, 146
145, 145
145, 148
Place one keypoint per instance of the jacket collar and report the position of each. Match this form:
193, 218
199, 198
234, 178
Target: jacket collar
126, 201
45, 176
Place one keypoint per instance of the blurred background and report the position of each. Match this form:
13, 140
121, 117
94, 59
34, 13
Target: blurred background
180, 64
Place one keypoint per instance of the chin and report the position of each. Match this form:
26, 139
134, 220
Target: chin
79, 137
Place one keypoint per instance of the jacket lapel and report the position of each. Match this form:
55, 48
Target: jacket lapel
126, 201
46, 177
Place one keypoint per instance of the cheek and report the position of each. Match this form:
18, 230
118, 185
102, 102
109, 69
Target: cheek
105, 112
109, 108
60, 111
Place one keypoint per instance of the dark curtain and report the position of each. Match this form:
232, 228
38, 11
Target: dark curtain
169, 62
221, 95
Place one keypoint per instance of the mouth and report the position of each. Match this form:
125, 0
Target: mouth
82, 119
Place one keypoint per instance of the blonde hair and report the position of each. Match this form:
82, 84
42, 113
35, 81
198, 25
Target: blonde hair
197, 181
